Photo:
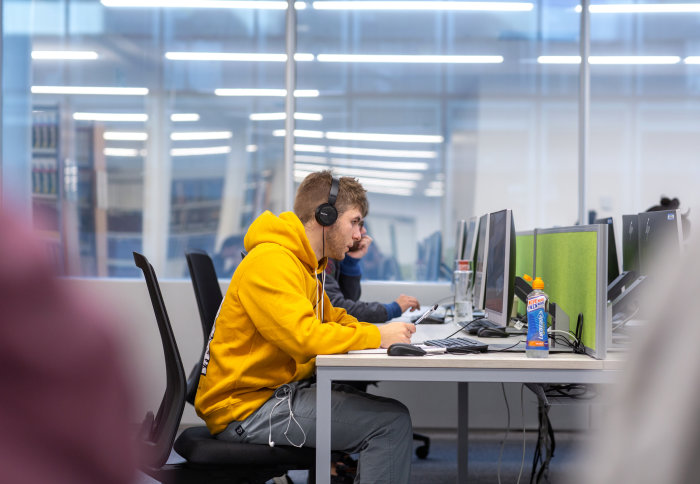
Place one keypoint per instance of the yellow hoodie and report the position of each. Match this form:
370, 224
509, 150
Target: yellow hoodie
268, 332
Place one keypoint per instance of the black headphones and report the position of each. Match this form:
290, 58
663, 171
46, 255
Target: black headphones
326, 213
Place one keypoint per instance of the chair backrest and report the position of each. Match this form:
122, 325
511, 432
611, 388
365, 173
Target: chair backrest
158, 434
208, 294
206, 287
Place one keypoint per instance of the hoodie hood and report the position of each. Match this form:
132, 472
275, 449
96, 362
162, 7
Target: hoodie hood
285, 230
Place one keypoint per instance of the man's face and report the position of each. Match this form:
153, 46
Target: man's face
343, 233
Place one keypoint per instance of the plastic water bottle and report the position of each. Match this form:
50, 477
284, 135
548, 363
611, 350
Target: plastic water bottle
462, 294
537, 309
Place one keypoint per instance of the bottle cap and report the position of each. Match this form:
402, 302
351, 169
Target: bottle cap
538, 283
527, 278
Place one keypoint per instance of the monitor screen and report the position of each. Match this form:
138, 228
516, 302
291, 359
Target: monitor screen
481, 261
613, 264
660, 238
500, 271
472, 233
493, 298
460, 239
630, 243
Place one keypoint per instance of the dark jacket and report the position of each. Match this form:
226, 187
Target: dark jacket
344, 290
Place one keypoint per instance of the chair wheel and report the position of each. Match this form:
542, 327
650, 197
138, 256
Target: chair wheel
422, 451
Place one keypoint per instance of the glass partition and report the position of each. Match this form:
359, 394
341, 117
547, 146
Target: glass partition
159, 126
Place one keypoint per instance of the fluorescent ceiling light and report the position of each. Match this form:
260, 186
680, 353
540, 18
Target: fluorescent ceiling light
634, 59
412, 59
403, 192
182, 117
611, 59
229, 4
643, 8
117, 117
306, 93
692, 59
108, 91
417, 5
385, 165
310, 159
299, 175
391, 138
235, 56
283, 116
310, 148
299, 133
559, 59
358, 172
125, 136
64, 54
344, 150
213, 150
122, 152
433, 192
386, 182
265, 92
251, 148
200, 135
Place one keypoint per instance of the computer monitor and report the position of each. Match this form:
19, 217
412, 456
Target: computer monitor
472, 234
481, 262
500, 271
460, 239
660, 238
630, 243
613, 263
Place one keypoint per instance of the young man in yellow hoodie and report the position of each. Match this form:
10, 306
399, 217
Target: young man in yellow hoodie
256, 384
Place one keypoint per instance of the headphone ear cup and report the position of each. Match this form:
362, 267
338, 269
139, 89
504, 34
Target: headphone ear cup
326, 214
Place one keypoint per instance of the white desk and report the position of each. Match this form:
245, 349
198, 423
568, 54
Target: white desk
487, 367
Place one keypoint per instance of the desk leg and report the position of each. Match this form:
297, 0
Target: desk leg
462, 432
323, 428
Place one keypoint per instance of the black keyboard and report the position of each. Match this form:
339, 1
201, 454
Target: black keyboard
457, 345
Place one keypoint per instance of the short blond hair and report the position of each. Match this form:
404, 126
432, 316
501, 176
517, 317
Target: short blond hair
314, 190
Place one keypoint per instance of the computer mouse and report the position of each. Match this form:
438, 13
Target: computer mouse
405, 349
492, 333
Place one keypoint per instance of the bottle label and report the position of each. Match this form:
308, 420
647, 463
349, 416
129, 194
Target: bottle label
537, 338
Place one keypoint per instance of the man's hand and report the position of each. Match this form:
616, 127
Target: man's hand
407, 302
397, 332
359, 250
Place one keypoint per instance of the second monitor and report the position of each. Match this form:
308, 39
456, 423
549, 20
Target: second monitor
493, 289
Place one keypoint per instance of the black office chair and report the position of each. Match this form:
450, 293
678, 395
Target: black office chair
208, 295
206, 458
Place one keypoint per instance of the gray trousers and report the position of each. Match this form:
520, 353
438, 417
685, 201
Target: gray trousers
378, 428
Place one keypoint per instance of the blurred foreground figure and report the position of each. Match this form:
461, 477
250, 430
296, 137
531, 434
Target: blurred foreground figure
65, 405
652, 434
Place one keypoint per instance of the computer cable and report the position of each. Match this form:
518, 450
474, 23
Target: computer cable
505, 437
522, 419
544, 449
625, 320
578, 391
561, 340
508, 347
460, 329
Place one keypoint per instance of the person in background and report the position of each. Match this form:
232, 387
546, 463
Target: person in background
227, 259
344, 289
257, 377
66, 410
